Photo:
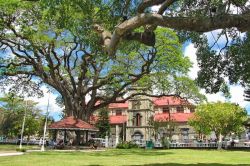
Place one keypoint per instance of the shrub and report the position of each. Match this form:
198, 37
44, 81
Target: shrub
21, 150
126, 145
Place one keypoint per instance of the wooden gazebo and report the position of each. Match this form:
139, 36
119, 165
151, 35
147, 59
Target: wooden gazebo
72, 124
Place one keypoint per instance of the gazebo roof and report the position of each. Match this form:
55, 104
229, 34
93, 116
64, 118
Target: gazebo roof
71, 123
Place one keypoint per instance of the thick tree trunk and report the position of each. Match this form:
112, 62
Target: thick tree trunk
68, 106
73, 107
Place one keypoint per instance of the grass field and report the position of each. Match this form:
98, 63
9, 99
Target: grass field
173, 157
12, 148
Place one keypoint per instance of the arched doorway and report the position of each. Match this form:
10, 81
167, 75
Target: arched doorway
137, 136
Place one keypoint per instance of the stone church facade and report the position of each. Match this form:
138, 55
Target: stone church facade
130, 121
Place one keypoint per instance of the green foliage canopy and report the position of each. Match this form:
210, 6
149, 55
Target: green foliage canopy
13, 109
54, 43
222, 118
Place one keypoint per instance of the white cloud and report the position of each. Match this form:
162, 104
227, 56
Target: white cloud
237, 92
155, 8
43, 102
214, 97
190, 52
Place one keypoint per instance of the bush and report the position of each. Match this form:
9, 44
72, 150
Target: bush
165, 143
21, 150
126, 145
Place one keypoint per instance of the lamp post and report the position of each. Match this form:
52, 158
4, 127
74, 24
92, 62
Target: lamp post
24, 118
45, 125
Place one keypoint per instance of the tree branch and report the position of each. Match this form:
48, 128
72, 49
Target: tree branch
198, 24
165, 5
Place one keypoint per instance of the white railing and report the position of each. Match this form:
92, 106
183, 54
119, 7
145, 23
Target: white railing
197, 145
158, 144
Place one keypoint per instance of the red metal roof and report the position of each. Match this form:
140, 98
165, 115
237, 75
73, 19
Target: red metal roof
113, 119
158, 101
117, 119
178, 117
169, 100
118, 105
73, 124
120, 119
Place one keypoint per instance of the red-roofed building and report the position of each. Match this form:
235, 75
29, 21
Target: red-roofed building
130, 120
71, 123
66, 129
178, 117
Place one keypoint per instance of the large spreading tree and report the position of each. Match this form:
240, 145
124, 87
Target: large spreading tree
91, 52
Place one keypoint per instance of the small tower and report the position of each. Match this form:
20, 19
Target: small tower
140, 110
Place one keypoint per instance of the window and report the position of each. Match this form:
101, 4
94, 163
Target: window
118, 112
180, 109
137, 120
165, 110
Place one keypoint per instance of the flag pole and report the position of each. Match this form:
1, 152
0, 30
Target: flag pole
45, 125
24, 118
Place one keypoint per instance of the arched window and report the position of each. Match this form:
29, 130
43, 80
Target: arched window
138, 119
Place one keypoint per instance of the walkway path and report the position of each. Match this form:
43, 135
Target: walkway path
21, 153
10, 153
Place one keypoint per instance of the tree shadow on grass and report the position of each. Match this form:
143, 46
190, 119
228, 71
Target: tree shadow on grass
178, 164
131, 152
198, 164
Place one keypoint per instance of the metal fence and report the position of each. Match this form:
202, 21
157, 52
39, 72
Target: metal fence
204, 145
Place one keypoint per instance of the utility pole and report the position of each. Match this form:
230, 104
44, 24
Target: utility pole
45, 125
24, 118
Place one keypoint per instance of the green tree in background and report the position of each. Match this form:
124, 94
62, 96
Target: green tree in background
168, 126
14, 109
103, 123
222, 118
11, 108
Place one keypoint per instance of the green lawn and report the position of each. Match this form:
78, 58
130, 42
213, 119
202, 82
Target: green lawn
12, 148
174, 157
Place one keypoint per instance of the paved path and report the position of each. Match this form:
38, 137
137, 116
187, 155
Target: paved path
11, 154
21, 153
69, 150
